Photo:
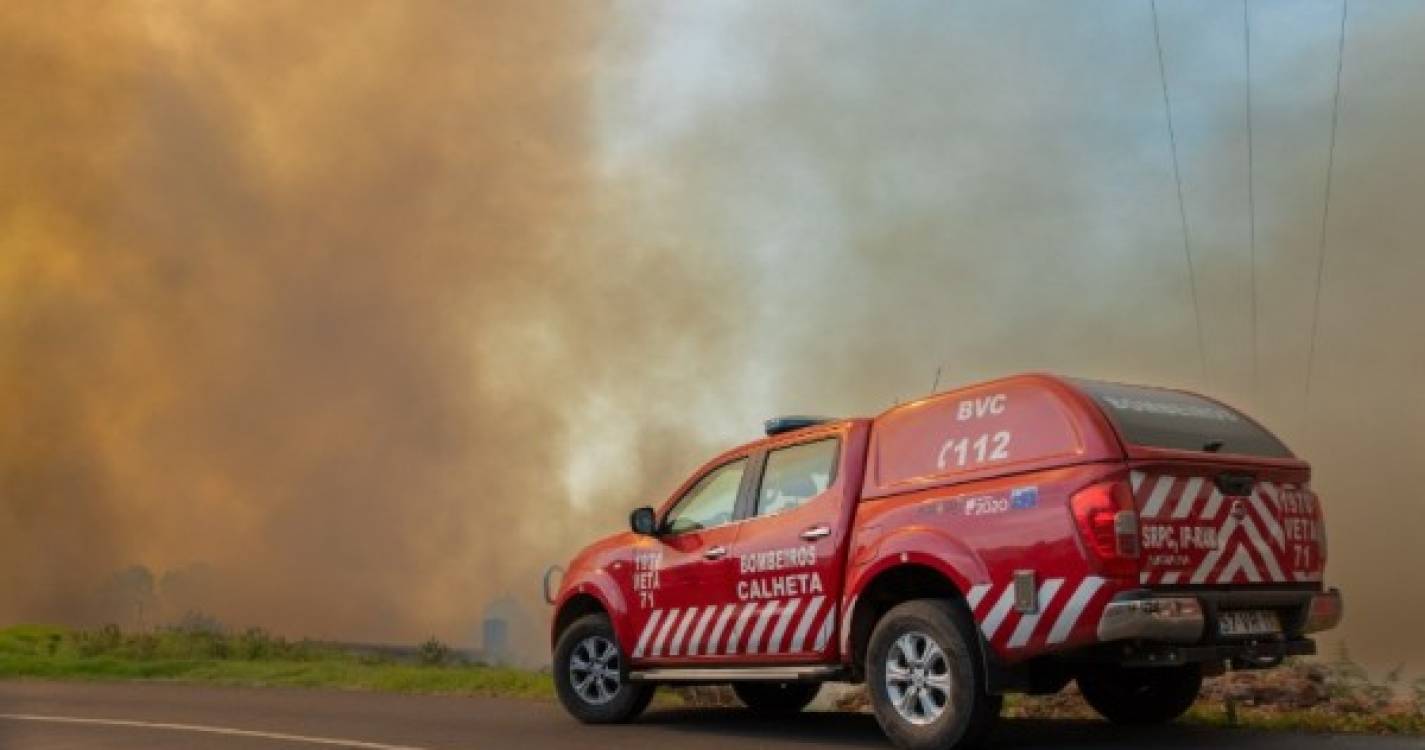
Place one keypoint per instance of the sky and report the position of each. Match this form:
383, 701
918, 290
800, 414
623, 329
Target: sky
346, 318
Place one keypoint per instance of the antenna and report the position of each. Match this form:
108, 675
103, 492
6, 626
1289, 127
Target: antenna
936, 384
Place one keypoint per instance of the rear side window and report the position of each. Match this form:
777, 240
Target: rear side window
796, 474
1159, 418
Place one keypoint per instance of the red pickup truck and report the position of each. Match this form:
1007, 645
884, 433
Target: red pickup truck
1008, 536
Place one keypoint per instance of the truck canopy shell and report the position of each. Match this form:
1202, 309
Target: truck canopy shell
1012, 425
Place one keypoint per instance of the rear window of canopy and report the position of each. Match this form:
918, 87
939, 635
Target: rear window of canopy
1159, 418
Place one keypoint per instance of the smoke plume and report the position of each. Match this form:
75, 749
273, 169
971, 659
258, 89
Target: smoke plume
345, 318
300, 304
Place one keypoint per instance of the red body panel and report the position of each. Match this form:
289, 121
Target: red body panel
975, 484
973, 534
1194, 535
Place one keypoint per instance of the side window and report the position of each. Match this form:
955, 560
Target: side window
710, 502
796, 474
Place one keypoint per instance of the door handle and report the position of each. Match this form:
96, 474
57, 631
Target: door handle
715, 553
816, 532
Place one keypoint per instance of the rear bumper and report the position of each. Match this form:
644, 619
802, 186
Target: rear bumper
1163, 619
1183, 618
1324, 612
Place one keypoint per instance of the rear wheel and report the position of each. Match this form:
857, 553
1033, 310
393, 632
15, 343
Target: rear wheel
922, 671
1143, 695
776, 698
591, 674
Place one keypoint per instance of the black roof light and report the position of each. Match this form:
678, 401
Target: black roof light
779, 425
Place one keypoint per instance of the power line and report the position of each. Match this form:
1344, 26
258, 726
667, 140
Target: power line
1326, 201
1251, 192
1178, 180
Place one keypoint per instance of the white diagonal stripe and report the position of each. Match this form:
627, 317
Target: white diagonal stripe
676, 646
1027, 623
1210, 560
1074, 609
736, 637
824, 634
663, 632
1241, 560
1136, 478
799, 635
697, 637
1273, 493
1189, 496
1171, 577
648, 628
1268, 557
1214, 503
977, 593
716, 636
1145, 577
1268, 519
761, 626
996, 616
774, 641
1160, 493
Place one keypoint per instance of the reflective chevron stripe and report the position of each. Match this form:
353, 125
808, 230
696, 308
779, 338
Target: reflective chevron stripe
1250, 539
663, 632
676, 646
1027, 623
804, 625
991, 623
976, 595
1074, 609
732, 640
716, 637
647, 632
753, 641
697, 637
774, 641
763, 627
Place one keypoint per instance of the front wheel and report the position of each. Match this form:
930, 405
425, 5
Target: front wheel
776, 698
1141, 695
923, 675
591, 674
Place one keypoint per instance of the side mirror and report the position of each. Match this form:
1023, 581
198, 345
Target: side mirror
643, 521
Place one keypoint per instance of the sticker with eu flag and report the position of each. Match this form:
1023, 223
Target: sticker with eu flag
1023, 498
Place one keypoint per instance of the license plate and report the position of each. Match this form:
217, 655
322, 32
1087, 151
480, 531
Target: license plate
1249, 622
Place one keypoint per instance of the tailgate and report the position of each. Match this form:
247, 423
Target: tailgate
1210, 524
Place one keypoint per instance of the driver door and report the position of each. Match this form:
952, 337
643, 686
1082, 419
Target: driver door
694, 570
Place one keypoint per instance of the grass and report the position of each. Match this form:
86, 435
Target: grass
1307, 696
251, 658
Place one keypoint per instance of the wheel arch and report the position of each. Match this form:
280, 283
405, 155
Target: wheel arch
573, 608
905, 578
594, 593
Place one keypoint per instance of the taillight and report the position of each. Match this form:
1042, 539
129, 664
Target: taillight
1109, 526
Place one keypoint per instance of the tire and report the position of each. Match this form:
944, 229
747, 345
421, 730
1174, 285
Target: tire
776, 698
929, 647
1143, 695
591, 674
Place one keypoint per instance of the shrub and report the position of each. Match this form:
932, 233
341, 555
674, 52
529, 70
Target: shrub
433, 653
257, 643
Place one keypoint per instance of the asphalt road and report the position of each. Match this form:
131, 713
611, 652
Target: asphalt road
78, 716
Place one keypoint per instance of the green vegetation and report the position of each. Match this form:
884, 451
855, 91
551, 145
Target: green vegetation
1312, 696
200, 651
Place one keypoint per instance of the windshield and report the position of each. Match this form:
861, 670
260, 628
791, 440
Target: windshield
1160, 418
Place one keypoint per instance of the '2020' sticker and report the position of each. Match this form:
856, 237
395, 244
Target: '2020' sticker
1024, 498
